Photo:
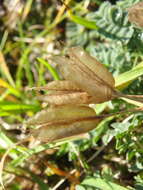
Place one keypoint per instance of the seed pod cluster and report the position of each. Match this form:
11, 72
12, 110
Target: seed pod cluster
86, 81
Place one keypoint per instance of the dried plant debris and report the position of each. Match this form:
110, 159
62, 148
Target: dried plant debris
135, 14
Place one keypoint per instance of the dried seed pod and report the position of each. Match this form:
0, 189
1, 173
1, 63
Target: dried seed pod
54, 132
88, 74
62, 93
65, 121
77, 53
72, 98
135, 14
59, 114
87, 81
59, 86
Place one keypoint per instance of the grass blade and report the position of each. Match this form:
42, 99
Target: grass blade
124, 79
50, 68
5, 70
12, 90
12, 107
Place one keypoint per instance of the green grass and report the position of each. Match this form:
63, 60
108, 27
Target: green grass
111, 153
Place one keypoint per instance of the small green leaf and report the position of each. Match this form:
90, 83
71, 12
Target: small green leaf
15, 187
101, 129
6, 106
29, 152
12, 90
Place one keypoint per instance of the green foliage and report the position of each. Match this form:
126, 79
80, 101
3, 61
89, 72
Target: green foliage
127, 77
112, 23
92, 183
10, 107
50, 68
129, 141
83, 22
114, 148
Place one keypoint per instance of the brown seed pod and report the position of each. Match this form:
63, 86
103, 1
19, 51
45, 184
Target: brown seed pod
59, 86
62, 122
135, 14
61, 114
77, 53
88, 74
60, 98
87, 81
64, 92
54, 132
